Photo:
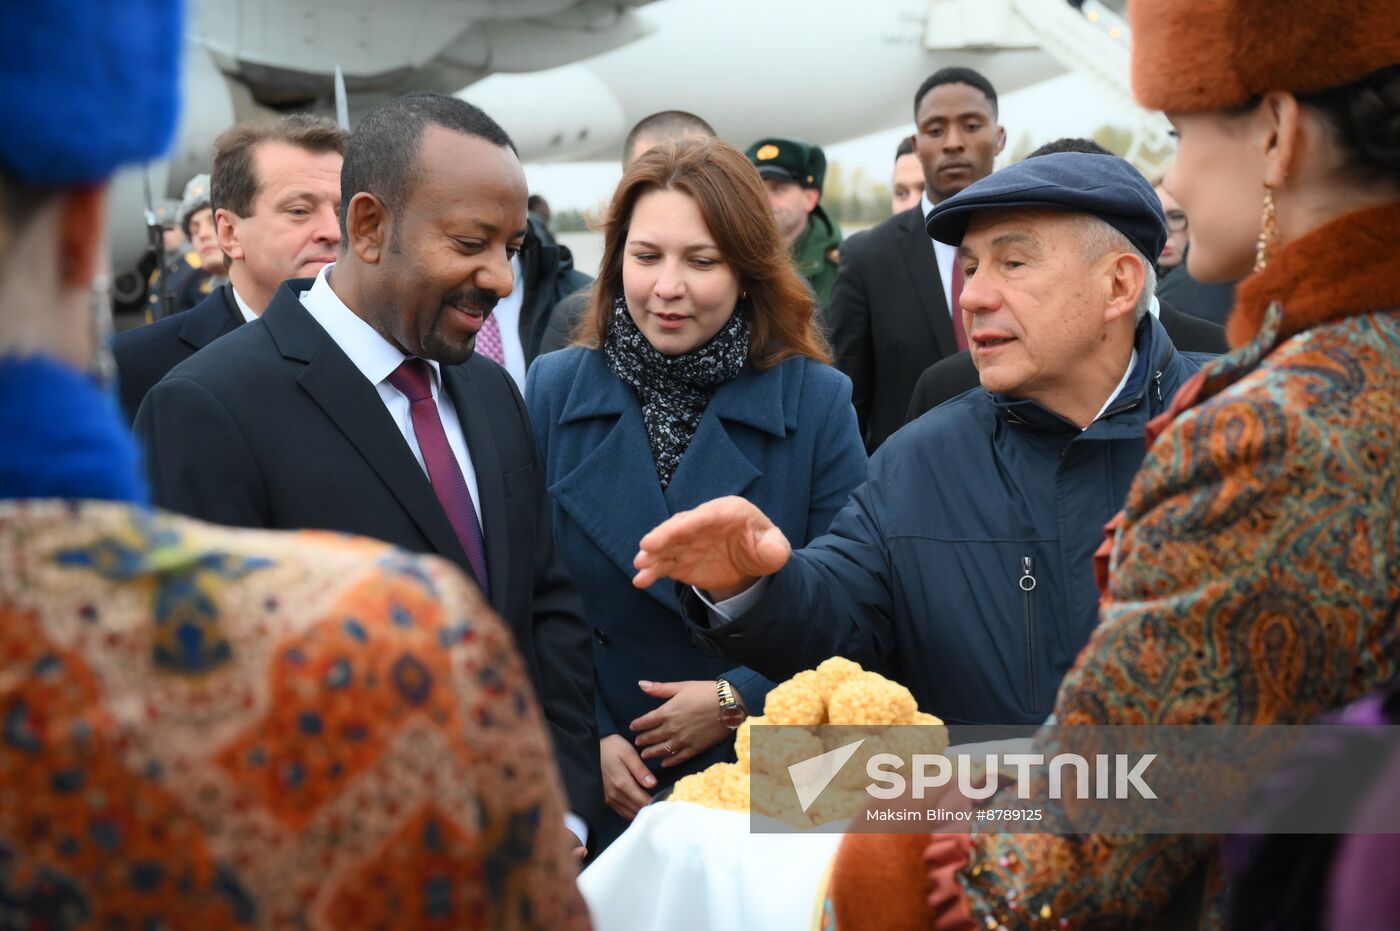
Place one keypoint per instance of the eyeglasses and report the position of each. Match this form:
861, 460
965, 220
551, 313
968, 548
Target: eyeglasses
1176, 221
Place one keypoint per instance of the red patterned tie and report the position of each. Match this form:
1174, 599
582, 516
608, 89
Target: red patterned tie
488, 341
956, 310
413, 379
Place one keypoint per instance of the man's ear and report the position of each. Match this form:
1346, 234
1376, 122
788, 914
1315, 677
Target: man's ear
810, 198
82, 218
226, 229
1001, 139
1126, 277
368, 227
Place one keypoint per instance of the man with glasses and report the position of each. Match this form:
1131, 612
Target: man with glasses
1210, 302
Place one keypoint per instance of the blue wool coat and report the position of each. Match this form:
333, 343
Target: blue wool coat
785, 438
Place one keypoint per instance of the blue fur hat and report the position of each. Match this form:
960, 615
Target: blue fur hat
86, 86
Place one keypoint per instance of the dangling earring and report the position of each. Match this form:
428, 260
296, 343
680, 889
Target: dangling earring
102, 365
1268, 232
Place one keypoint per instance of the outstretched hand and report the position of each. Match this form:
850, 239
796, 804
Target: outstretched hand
722, 546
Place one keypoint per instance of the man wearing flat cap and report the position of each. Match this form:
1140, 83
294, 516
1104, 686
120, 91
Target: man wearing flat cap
793, 173
963, 566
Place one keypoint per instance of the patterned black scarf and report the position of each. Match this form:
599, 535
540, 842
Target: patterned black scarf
674, 390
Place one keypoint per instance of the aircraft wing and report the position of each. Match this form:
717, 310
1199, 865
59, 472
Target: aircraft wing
285, 52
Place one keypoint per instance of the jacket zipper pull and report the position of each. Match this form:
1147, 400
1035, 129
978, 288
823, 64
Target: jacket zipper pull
1157, 380
1027, 579
1027, 584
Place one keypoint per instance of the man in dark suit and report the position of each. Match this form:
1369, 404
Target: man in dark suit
889, 316
356, 402
274, 190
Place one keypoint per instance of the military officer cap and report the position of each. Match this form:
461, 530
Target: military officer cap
167, 212
789, 160
196, 198
1104, 186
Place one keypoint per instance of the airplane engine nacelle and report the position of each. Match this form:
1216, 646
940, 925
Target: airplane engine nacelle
556, 115
209, 105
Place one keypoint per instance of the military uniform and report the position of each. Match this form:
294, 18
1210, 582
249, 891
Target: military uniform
189, 283
817, 251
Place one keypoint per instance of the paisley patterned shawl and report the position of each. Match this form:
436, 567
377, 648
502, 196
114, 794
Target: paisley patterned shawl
1255, 577
210, 728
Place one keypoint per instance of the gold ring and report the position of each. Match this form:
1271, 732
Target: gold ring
670, 750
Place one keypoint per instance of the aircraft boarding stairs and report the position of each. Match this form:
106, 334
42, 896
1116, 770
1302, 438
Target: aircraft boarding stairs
1092, 41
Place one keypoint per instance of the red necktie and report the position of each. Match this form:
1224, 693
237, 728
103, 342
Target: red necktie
956, 310
413, 379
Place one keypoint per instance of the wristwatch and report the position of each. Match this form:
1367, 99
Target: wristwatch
731, 707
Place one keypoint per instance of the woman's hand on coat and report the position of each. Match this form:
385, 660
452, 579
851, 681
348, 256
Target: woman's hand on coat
686, 725
627, 783
722, 546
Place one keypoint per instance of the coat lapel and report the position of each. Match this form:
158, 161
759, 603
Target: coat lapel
215, 316
922, 264
354, 406
621, 464
490, 477
713, 466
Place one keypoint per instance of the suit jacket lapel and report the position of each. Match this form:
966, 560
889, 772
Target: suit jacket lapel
354, 406
215, 316
922, 264
490, 478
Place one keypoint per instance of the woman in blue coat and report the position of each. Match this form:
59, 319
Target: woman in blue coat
702, 373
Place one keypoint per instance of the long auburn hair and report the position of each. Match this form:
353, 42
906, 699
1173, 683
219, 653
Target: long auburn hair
730, 195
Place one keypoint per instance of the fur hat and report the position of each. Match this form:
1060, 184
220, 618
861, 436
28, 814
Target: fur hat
86, 86
1214, 54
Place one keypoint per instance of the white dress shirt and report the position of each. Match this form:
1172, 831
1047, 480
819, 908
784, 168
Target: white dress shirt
248, 315
507, 314
946, 256
377, 358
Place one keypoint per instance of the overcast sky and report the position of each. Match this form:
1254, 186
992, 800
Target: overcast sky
1071, 105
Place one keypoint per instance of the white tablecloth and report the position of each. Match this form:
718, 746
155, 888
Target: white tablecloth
682, 867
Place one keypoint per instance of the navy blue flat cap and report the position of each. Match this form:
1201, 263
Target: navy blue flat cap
1105, 186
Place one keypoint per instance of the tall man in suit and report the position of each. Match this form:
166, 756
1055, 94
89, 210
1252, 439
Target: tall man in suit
275, 193
891, 315
356, 403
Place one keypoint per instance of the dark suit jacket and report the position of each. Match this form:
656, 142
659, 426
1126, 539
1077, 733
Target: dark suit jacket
567, 314
888, 319
146, 353
1211, 302
547, 269
950, 377
273, 426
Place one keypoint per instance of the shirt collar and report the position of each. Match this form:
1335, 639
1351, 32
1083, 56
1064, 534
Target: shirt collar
248, 314
1122, 383
368, 351
925, 205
